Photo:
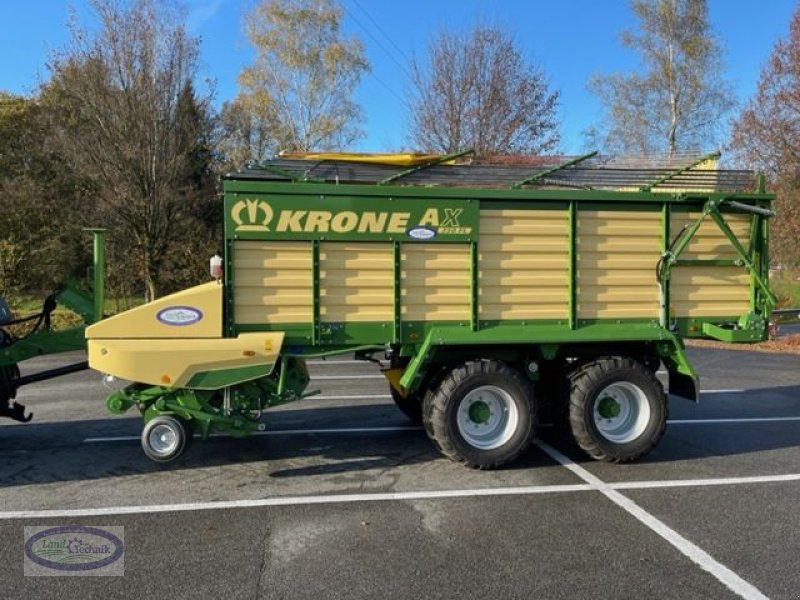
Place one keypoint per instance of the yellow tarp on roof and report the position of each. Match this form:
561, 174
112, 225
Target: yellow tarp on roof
400, 159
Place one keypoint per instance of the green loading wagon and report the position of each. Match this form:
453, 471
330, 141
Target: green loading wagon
488, 292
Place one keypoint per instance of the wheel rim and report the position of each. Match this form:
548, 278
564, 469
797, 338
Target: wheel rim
621, 412
487, 417
163, 439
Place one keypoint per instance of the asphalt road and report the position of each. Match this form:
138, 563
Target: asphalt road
343, 498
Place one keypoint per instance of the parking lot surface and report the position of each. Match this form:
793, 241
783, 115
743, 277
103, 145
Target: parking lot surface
343, 497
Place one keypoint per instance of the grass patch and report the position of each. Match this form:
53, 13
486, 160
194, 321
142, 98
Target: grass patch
23, 305
61, 318
786, 288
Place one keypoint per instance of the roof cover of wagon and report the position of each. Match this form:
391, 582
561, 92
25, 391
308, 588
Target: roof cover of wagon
679, 173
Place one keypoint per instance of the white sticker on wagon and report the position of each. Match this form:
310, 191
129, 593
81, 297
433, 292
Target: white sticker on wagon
422, 233
179, 315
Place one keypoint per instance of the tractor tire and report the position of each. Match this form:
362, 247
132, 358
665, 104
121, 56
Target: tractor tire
165, 438
481, 414
617, 409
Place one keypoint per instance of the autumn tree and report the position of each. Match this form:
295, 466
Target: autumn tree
476, 90
766, 136
297, 94
40, 202
127, 118
679, 99
244, 134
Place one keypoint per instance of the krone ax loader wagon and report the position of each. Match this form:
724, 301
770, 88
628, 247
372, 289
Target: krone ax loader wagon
486, 292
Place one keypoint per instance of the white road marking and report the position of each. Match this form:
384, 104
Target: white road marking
332, 377
128, 438
590, 485
295, 501
732, 391
743, 420
693, 552
354, 397
338, 362
679, 483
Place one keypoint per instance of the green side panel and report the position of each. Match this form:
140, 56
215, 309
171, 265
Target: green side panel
683, 381
337, 217
227, 291
77, 301
44, 342
357, 334
315, 291
530, 334
461, 332
573, 265
705, 327
214, 380
749, 328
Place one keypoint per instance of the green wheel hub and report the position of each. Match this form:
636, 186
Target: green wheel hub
608, 408
487, 417
621, 412
479, 412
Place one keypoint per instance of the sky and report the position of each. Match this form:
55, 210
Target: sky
571, 41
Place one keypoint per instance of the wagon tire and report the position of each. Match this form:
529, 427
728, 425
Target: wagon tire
165, 438
481, 414
617, 409
410, 406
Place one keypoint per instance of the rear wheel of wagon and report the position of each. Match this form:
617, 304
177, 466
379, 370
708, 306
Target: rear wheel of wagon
617, 409
481, 414
410, 405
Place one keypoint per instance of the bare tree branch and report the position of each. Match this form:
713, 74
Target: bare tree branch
476, 91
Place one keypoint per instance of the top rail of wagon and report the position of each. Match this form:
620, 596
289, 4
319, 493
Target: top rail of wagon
685, 173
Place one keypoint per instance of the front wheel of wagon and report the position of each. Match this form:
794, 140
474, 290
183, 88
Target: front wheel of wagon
165, 438
617, 409
481, 414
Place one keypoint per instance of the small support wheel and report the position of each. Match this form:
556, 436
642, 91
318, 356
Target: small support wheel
617, 409
165, 437
410, 406
481, 414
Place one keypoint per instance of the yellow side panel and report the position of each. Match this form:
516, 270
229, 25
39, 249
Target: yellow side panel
173, 362
698, 291
272, 282
356, 281
523, 264
709, 291
435, 282
192, 313
617, 252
